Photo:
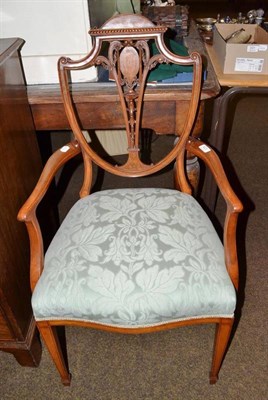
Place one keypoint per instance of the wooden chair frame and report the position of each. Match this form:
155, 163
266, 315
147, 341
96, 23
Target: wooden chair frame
129, 30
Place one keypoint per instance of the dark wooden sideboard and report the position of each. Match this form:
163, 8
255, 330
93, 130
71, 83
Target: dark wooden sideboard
20, 166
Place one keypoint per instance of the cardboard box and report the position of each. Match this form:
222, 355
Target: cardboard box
250, 58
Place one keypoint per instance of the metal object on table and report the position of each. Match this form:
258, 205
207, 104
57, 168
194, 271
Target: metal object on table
239, 37
205, 24
206, 21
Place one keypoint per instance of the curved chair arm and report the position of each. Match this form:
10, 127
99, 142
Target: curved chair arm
234, 205
27, 213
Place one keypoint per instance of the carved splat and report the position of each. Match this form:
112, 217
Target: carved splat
121, 46
129, 66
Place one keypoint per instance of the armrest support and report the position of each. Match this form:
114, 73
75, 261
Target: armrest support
27, 213
234, 205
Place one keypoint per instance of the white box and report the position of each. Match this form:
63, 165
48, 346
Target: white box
250, 58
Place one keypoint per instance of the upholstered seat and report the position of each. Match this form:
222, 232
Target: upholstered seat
135, 257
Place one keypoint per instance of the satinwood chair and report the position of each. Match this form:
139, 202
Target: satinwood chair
133, 260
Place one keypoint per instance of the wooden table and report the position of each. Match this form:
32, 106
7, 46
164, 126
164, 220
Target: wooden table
231, 86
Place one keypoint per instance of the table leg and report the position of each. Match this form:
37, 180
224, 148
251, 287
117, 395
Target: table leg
216, 139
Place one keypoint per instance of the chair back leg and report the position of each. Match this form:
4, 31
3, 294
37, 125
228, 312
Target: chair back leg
222, 335
51, 339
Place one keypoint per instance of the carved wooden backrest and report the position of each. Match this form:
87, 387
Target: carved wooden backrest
129, 61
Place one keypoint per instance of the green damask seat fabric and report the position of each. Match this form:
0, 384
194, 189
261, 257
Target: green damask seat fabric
133, 258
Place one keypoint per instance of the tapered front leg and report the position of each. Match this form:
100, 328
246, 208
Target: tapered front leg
51, 340
222, 335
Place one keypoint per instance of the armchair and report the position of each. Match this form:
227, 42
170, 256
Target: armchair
133, 260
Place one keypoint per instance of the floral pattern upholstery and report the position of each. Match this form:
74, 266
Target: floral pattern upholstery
134, 258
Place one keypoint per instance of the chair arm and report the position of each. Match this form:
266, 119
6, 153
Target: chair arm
27, 213
53, 164
234, 205
212, 161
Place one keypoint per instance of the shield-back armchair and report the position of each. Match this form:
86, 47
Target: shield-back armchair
133, 260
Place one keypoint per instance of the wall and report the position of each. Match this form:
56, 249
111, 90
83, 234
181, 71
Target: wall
51, 28
101, 10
